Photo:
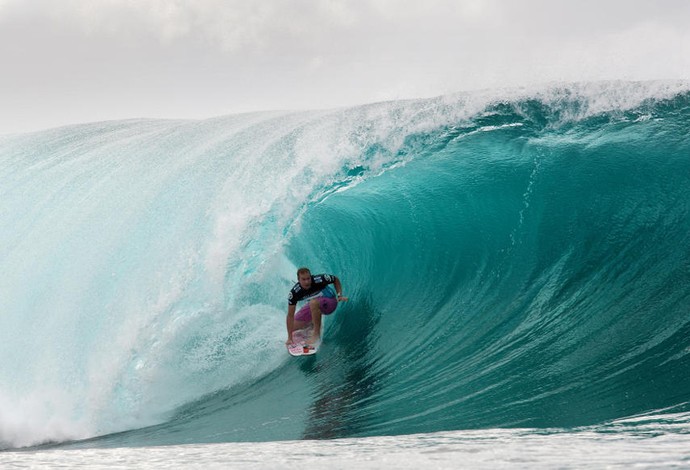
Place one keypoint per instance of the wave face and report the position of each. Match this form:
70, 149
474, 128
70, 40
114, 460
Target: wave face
513, 258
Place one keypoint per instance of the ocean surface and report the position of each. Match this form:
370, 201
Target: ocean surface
517, 263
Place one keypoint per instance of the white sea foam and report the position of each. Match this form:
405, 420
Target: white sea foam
491, 449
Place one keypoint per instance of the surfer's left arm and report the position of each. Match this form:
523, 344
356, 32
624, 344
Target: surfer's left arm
339, 289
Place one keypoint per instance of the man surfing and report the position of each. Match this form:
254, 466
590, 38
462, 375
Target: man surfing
321, 301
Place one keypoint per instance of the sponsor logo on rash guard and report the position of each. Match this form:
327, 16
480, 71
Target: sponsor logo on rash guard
319, 286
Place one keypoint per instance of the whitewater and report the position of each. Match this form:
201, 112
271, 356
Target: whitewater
517, 262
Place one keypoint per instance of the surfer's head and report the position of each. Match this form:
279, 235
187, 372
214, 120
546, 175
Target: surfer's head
304, 277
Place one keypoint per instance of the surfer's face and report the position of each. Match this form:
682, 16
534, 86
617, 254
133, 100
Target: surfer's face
305, 281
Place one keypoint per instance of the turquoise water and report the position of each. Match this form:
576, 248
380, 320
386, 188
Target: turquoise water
514, 259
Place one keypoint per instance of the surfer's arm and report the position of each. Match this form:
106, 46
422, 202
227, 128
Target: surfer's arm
290, 322
339, 290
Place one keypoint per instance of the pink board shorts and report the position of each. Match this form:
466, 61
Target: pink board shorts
326, 304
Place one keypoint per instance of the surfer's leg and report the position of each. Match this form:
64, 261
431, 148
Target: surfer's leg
316, 319
318, 307
302, 318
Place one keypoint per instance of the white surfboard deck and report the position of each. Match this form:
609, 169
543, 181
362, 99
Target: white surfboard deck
299, 346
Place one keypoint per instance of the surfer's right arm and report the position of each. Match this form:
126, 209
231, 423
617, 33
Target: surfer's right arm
290, 322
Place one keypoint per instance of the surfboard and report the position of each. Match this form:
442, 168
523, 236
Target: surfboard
299, 346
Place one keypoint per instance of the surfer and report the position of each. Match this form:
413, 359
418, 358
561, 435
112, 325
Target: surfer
321, 301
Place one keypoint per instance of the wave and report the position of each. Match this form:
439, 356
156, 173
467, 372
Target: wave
513, 258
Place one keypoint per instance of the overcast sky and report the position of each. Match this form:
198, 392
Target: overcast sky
68, 61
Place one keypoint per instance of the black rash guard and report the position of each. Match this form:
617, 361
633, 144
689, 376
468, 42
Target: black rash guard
318, 283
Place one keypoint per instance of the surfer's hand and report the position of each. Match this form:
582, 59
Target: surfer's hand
342, 299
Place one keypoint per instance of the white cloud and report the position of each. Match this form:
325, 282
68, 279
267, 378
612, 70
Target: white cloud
229, 25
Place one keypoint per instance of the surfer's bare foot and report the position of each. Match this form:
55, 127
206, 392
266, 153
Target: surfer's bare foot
313, 339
